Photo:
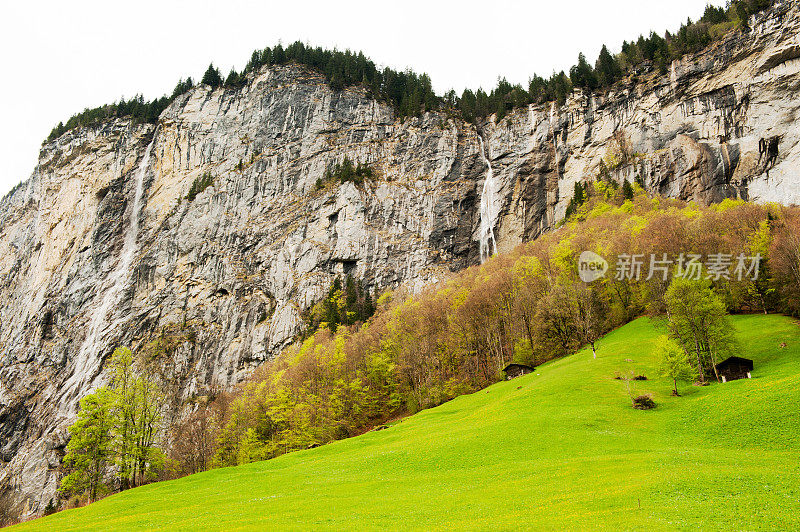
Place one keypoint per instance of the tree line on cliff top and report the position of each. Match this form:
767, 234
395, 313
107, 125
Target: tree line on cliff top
412, 94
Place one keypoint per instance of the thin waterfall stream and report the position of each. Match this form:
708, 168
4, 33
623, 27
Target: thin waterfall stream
489, 211
116, 283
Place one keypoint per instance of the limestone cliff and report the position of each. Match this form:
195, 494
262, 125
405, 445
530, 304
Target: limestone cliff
100, 247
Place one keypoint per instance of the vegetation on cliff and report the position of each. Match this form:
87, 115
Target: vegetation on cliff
411, 94
346, 304
647, 53
199, 184
346, 170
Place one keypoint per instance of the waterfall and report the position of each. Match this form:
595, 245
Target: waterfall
553, 131
532, 120
673, 77
116, 282
489, 210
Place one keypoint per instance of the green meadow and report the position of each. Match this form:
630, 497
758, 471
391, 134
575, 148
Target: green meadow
557, 449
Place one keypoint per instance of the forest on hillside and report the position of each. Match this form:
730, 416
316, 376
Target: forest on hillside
364, 362
528, 306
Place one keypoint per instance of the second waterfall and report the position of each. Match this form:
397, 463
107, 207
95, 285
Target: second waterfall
489, 209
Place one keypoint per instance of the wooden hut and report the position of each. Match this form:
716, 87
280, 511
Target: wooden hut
734, 368
513, 371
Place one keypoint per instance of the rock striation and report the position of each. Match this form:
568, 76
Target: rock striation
100, 247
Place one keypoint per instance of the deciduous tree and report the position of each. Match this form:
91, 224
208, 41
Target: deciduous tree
673, 361
699, 323
90, 448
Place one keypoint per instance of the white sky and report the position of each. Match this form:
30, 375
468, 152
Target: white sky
60, 57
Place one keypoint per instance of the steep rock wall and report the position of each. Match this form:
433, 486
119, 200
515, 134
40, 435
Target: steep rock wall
227, 277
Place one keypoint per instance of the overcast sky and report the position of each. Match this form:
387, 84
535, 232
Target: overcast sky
60, 57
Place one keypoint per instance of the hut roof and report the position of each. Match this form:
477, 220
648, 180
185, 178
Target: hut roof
518, 366
735, 360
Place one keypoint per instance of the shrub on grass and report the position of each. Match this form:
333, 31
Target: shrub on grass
50, 508
644, 402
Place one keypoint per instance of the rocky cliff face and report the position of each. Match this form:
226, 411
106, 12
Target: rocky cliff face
100, 247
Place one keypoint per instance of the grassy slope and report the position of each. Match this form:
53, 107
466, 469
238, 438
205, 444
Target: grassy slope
557, 449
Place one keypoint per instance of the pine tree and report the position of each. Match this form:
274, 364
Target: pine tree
608, 69
369, 306
714, 15
561, 87
331, 313
212, 77
337, 81
278, 55
234, 79
627, 190
351, 300
199, 184
579, 196
582, 74
744, 15
468, 104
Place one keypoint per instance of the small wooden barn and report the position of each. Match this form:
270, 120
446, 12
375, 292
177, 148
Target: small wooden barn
734, 368
513, 371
